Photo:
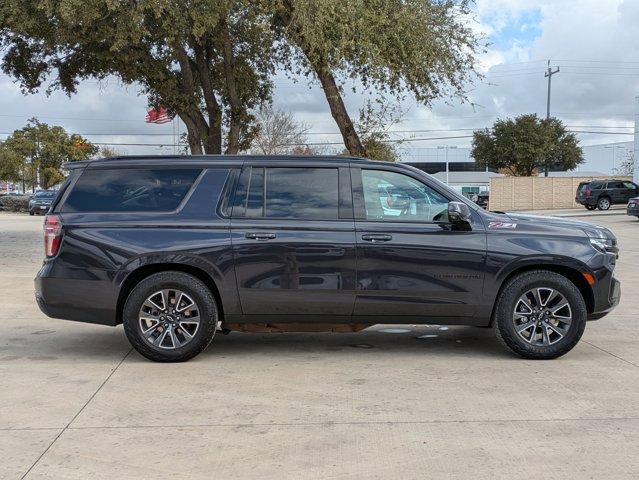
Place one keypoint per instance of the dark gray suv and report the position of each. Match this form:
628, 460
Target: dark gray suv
179, 248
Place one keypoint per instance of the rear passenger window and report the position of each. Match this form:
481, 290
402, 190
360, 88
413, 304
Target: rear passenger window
615, 185
130, 190
298, 193
305, 193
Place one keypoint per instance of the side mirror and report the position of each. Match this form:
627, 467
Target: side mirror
458, 212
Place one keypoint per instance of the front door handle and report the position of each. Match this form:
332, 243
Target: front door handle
377, 237
260, 236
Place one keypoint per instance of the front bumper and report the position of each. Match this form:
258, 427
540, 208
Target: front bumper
633, 209
607, 296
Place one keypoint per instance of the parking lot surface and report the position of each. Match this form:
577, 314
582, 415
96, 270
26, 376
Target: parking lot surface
408, 402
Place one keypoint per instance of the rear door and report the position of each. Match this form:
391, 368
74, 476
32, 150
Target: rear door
616, 191
294, 240
411, 261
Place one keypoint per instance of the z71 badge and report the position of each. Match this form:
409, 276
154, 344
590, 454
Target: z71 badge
502, 225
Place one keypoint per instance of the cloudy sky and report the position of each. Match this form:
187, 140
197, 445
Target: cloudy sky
594, 42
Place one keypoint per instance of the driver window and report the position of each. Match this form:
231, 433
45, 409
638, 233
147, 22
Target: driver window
391, 196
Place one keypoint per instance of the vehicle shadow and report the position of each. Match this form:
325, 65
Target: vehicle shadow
392, 341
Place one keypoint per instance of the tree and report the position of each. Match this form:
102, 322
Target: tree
373, 127
34, 154
278, 132
109, 152
526, 145
425, 48
627, 165
207, 61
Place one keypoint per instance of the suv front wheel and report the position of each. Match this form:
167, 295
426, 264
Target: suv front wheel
170, 317
540, 315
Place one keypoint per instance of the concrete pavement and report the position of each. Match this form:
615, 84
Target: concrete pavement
76, 402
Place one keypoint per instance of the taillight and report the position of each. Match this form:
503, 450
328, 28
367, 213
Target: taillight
587, 192
52, 235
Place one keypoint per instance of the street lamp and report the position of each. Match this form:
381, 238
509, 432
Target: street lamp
446, 148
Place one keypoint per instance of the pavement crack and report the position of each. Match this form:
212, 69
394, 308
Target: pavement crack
76, 415
612, 354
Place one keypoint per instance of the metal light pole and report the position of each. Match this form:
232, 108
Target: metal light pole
446, 148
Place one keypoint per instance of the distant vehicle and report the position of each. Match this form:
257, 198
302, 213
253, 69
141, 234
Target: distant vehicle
177, 250
633, 207
481, 199
602, 194
41, 201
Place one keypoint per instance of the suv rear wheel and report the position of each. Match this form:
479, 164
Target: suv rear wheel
540, 315
603, 203
170, 317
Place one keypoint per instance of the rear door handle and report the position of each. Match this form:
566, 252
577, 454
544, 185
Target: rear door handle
260, 236
377, 237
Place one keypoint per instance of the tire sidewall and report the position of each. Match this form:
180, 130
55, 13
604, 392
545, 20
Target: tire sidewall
190, 285
505, 326
602, 207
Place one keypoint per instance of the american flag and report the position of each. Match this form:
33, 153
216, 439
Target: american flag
157, 115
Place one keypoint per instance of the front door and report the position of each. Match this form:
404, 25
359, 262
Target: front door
411, 261
294, 241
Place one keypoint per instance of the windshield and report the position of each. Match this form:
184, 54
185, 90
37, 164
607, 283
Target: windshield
44, 195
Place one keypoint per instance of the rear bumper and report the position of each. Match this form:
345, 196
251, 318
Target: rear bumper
586, 201
607, 297
87, 298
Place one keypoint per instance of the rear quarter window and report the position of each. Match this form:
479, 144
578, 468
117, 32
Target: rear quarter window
130, 190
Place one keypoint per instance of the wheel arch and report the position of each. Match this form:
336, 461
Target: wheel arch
571, 272
144, 271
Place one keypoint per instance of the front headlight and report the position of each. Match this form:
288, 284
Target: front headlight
602, 242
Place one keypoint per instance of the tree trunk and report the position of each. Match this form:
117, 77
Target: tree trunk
235, 121
339, 112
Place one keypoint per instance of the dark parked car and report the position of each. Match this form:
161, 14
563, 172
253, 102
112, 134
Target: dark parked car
177, 249
602, 194
41, 201
633, 207
481, 199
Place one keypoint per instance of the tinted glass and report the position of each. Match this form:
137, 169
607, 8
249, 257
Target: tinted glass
255, 199
130, 190
629, 185
597, 185
305, 193
393, 197
615, 185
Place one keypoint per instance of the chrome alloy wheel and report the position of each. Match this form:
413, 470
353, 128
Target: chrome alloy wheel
169, 319
542, 316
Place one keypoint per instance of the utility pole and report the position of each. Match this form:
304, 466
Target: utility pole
549, 73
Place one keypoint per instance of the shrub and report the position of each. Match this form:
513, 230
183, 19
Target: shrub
14, 203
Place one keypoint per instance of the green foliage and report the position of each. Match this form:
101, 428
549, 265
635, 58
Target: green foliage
423, 47
37, 152
526, 145
14, 203
211, 61
208, 61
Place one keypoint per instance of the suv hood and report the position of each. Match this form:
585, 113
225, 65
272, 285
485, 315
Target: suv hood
578, 225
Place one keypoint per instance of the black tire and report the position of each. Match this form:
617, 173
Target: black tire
31, 213
604, 203
504, 324
201, 295
591, 207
